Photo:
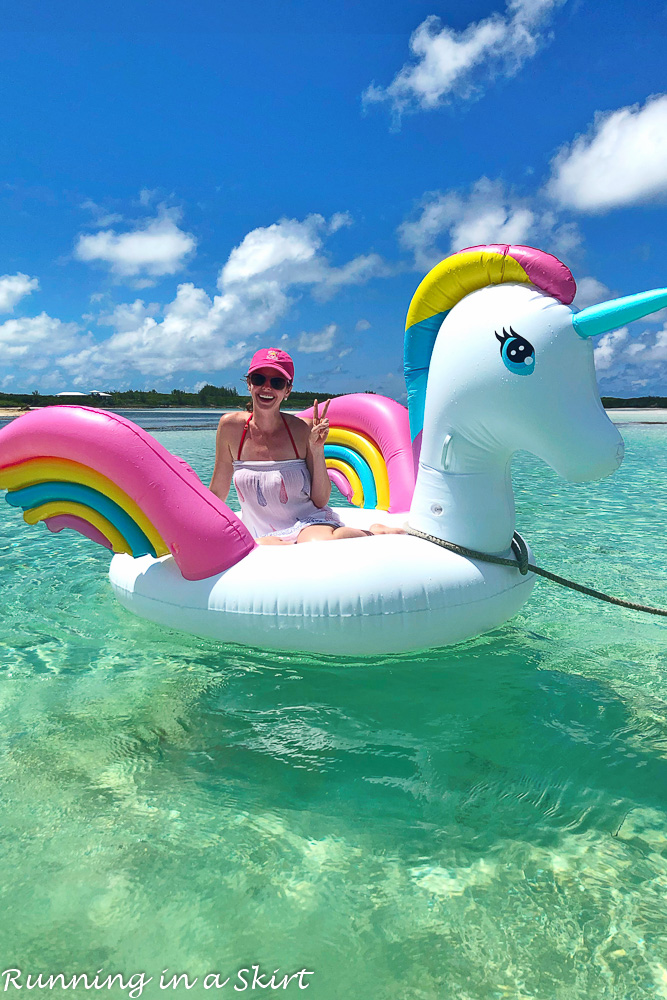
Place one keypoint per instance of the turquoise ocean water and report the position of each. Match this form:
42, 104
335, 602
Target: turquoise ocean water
484, 821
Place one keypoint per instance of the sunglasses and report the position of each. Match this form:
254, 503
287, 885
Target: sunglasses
276, 381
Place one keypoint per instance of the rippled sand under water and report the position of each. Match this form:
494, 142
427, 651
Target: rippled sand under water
485, 821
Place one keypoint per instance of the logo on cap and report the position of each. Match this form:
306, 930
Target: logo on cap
273, 355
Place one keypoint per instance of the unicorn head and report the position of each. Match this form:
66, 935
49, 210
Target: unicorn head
496, 361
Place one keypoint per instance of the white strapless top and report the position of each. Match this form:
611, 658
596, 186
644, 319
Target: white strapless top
275, 498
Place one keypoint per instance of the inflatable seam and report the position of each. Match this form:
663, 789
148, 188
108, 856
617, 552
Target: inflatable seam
300, 613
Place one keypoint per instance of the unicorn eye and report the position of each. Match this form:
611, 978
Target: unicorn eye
517, 353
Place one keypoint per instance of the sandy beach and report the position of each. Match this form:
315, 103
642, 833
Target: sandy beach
639, 415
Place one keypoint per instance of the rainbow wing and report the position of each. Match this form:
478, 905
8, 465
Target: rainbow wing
368, 452
66, 494
101, 475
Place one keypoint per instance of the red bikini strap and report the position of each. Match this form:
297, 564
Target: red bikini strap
296, 450
245, 431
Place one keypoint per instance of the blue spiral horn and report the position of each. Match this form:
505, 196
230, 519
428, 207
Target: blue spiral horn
617, 312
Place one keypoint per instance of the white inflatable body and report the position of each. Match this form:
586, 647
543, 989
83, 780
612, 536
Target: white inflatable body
495, 361
360, 596
398, 593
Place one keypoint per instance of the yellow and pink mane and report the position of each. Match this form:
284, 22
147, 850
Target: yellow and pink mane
452, 279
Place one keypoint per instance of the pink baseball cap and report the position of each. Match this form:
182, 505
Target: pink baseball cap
273, 358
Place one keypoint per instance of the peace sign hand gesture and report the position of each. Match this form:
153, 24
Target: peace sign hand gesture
320, 428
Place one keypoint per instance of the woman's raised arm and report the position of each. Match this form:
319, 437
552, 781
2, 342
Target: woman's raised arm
320, 484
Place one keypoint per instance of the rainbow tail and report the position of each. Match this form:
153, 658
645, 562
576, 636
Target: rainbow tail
369, 451
96, 472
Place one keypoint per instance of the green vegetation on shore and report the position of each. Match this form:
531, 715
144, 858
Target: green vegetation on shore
216, 397
222, 397
637, 403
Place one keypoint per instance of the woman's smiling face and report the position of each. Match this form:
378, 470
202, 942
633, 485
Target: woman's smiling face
265, 396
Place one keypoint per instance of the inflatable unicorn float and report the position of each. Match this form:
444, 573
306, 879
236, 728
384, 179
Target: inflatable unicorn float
495, 361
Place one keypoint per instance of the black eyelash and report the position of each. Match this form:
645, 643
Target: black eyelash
507, 336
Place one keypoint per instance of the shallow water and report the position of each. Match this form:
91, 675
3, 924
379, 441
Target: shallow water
485, 821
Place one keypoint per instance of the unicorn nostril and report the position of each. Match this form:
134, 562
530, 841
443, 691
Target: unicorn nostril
620, 451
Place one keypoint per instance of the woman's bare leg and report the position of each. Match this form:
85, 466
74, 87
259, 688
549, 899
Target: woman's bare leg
272, 540
325, 533
384, 529
316, 533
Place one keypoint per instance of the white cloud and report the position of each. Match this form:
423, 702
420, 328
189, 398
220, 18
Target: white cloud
607, 348
657, 351
153, 249
129, 316
628, 362
315, 343
195, 332
13, 287
102, 217
450, 63
147, 195
646, 348
622, 160
36, 341
487, 213
257, 285
286, 249
357, 271
590, 291
338, 220
288, 252
362, 325
321, 375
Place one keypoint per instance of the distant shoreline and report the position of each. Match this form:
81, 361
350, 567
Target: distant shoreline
620, 414
16, 411
659, 414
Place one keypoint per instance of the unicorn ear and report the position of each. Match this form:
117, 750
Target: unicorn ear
617, 312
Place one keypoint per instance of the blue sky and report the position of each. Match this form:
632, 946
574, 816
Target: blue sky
183, 183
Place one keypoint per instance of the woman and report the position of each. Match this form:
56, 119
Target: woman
277, 462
